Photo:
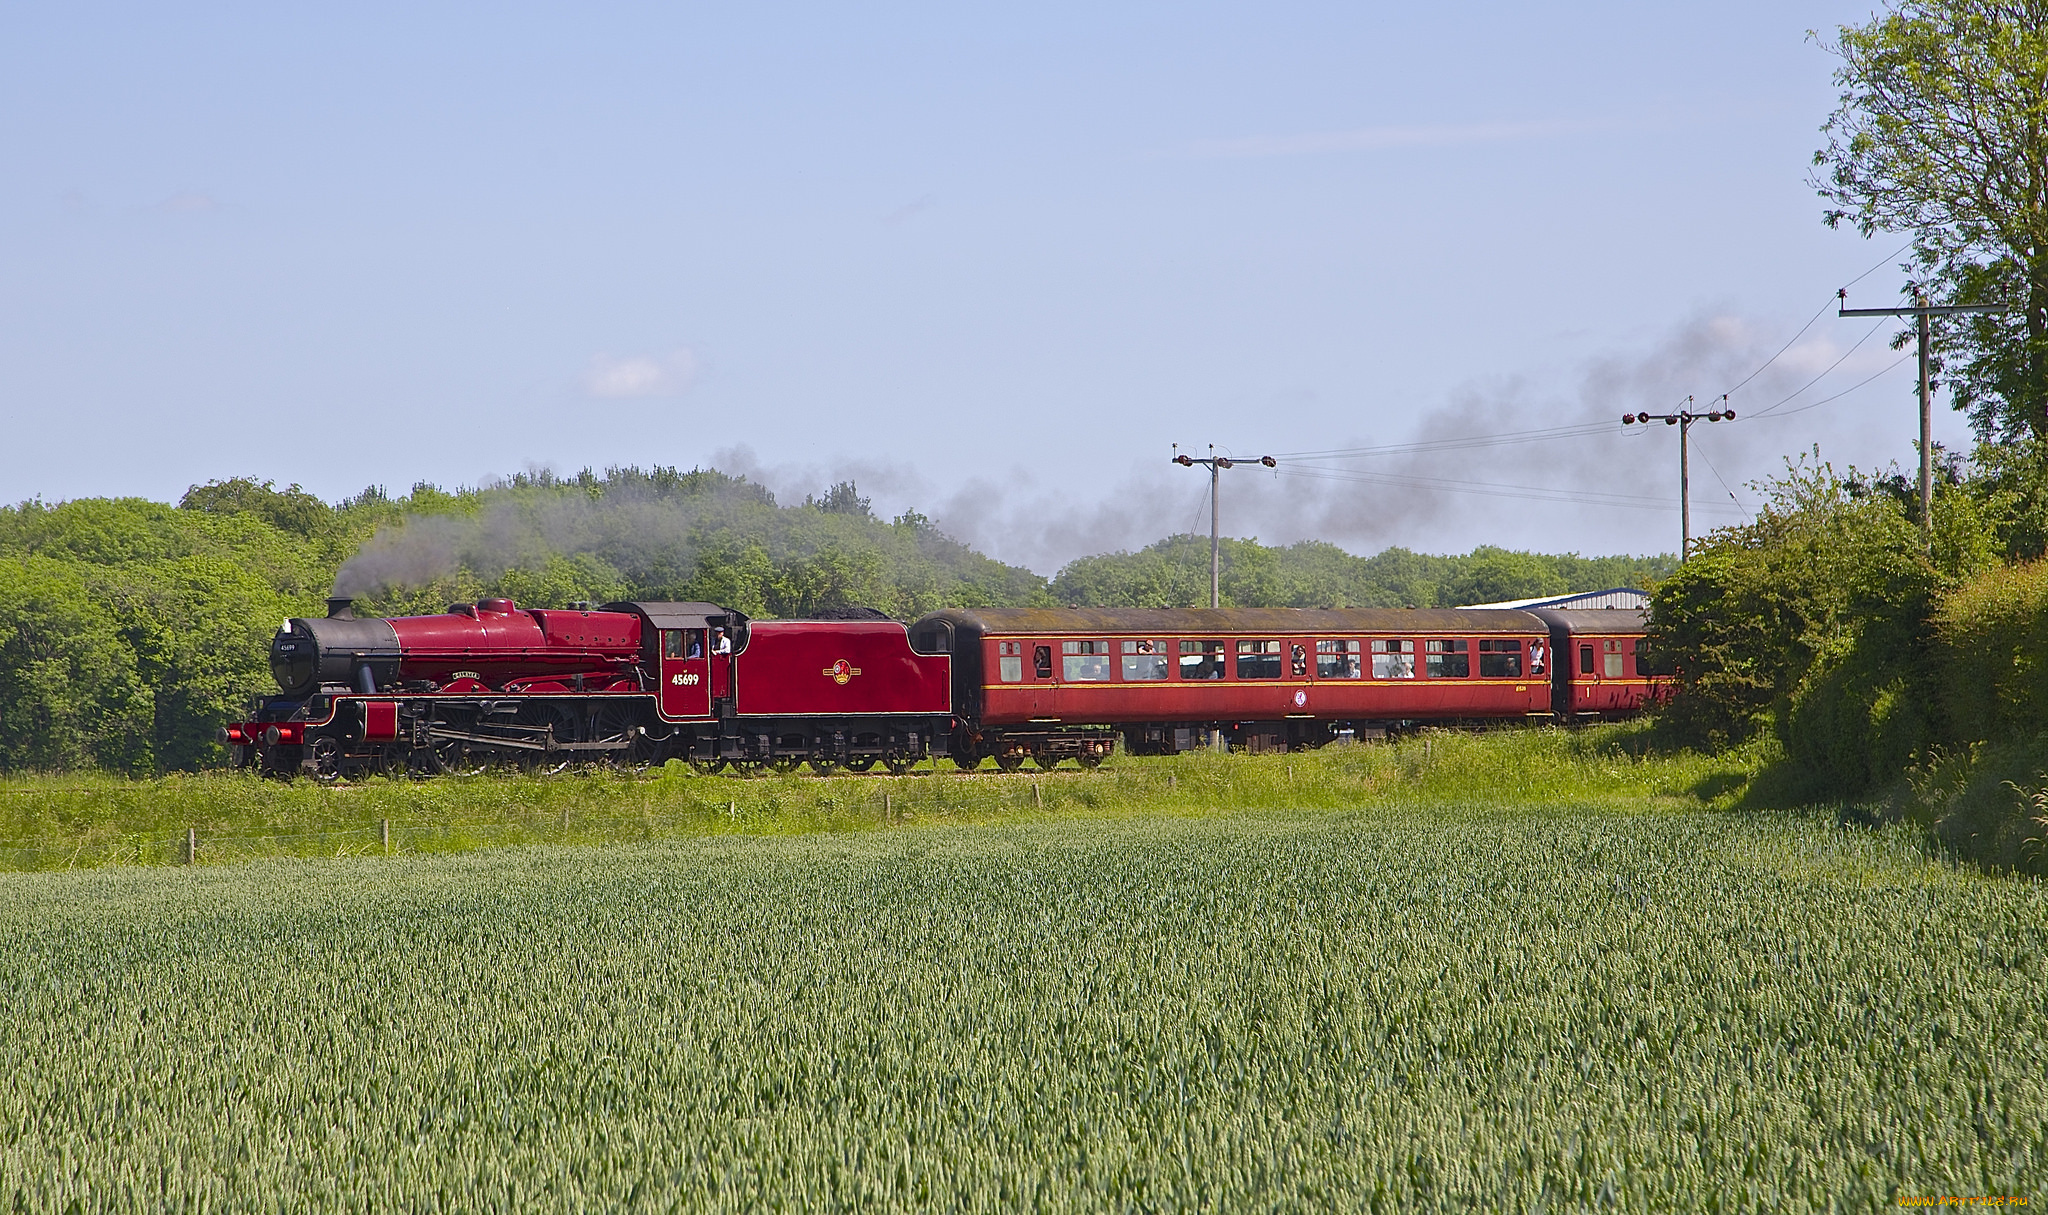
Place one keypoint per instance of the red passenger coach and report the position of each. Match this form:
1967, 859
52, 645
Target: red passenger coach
1605, 667
1050, 683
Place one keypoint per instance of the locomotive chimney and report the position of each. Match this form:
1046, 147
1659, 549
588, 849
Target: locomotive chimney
339, 608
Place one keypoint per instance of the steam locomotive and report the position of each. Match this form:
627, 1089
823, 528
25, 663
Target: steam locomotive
640, 683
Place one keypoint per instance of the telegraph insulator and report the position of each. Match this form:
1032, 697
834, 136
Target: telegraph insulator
1713, 415
1670, 419
1184, 461
1628, 419
1225, 462
1728, 414
1269, 462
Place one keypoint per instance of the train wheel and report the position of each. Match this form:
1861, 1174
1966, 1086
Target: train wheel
823, 765
785, 764
1046, 762
899, 764
707, 767
859, 763
326, 759
1092, 759
967, 763
1009, 763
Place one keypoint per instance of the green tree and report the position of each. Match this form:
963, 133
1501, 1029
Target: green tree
1941, 130
69, 693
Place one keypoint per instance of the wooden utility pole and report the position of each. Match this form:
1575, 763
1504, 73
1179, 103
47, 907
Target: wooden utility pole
1683, 419
1216, 465
1920, 310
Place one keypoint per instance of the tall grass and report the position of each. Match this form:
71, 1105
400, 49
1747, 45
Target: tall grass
82, 821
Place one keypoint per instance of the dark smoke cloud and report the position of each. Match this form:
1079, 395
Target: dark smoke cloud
628, 528
1021, 521
1026, 518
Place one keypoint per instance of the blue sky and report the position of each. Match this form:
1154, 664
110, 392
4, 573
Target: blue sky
990, 264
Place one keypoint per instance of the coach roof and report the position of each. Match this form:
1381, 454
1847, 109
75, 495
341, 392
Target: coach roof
1192, 622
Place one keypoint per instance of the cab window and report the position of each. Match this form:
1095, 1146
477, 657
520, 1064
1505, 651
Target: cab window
1201, 660
682, 643
1084, 661
1258, 660
1145, 660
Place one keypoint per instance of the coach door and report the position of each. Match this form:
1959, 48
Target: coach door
685, 673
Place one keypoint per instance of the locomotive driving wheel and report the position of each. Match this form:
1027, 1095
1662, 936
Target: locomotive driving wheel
707, 767
620, 723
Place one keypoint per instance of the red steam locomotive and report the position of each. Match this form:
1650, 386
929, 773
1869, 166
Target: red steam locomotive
643, 683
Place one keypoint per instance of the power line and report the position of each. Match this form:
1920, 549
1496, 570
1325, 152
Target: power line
1886, 369
1768, 409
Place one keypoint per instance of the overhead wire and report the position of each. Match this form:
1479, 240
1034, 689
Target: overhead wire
1311, 464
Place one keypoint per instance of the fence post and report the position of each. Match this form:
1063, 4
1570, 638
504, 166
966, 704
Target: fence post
1037, 798
1172, 782
384, 834
191, 845
732, 808
888, 809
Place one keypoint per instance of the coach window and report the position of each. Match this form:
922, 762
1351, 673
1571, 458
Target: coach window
1500, 658
1041, 661
1447, 659
1258, 660
1084, 661
1648, 661
1336, 660
1145, 660
1585, 660
1201, 660
1010, 661
1610, 659
1393, 659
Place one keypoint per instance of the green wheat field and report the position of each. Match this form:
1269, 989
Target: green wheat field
1528, 973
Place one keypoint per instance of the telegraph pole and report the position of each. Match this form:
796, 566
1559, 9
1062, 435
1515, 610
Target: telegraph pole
1920, 310
1683, 419
1216, 465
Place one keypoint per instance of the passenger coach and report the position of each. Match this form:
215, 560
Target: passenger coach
1052, 683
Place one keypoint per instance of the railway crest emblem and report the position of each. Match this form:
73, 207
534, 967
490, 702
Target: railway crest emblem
841, 672
1300, 699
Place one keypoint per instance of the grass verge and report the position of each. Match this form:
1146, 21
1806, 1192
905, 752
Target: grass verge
88, 820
